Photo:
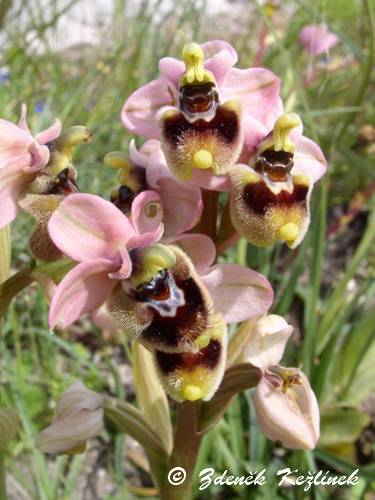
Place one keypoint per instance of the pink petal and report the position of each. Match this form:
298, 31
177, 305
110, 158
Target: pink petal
86, 227
214, 47
83, 289
22, 123
200, 248
258, 90
220, 58
267, 340
238, 292
309, 159
146, 216
13, 141
172, 69
142, 156
139, 110
255, 132
12, 181
207, 180
182, 205
50, 133
151, 157
157, 169
126, 265
316, 38
39, 157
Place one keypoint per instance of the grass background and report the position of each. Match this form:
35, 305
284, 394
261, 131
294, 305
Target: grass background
325, 288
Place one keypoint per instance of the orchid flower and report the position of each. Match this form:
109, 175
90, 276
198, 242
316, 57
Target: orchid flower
285, 405
270, 197
233, 293
153, 292
56, 181
197, 108
22, 158
147, 170
79, 417
99, 237
317, 39
36, 176
238, 294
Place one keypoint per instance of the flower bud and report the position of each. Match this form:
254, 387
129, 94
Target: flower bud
287, 409
266, 343
79, 417
132, 180
164, 304
195, 376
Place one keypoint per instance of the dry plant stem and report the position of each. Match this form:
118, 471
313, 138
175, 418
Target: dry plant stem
184, 453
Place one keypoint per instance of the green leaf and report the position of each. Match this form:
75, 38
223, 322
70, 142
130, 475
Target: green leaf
342, 425
13, 285
364, 381
336, 300
236, 379
342, 465
9, 423
151, 397
356, 345
130, 420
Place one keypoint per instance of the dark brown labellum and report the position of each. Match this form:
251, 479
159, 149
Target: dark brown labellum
259, 198
276, 165
198, 98
181, 316
208, 358
169, 312
225, 125
157, 289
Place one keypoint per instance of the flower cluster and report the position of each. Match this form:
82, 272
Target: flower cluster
144, 262
225, 129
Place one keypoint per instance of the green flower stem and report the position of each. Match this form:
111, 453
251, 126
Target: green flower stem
242, 252
184, 453
3, 493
